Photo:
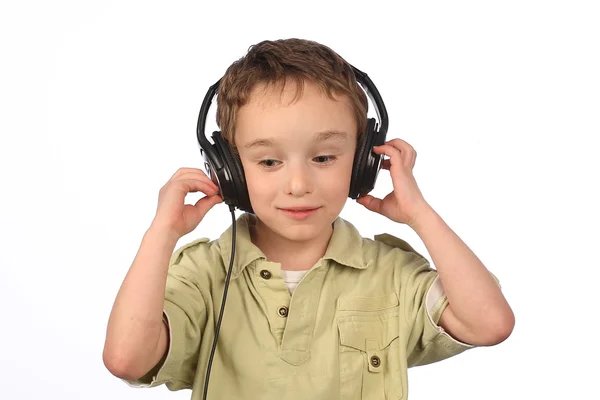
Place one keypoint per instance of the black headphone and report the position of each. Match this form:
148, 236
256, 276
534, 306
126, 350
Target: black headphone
226, 171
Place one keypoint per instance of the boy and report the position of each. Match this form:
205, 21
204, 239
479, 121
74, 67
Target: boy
314, 311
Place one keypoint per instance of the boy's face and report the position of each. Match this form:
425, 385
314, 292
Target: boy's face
296, 155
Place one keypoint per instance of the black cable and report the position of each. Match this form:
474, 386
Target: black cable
214, 346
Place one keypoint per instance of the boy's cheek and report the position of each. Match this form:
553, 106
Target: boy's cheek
257, 181
260, 189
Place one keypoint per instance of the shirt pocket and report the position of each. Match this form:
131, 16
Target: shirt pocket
369, 351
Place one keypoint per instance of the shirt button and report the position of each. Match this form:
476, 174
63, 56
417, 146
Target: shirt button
282, 311
265, 274
375, 361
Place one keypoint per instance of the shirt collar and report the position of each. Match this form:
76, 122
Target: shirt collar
345, 245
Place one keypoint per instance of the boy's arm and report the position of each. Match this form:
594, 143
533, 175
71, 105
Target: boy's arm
136, 337
477, 312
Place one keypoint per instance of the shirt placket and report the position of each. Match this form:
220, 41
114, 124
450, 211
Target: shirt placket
301, 319
275, 296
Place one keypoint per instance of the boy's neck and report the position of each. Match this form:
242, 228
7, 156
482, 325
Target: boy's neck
292, 255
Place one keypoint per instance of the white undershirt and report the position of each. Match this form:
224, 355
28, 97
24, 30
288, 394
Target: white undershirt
292, 278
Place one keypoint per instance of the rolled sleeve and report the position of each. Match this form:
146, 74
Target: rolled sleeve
156, 375
184, 314
424, 301
435, 303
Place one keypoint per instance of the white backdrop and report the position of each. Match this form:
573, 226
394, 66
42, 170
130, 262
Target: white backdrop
99, 102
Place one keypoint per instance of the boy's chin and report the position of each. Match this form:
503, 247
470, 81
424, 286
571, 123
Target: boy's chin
298, 231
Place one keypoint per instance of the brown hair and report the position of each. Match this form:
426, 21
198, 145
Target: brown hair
273, 62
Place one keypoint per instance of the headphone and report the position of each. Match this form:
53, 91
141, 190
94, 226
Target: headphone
225, 168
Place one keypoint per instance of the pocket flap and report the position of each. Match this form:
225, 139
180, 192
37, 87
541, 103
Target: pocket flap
355, 303
356, 331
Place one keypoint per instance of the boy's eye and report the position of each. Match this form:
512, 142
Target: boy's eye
268, 163
324, 159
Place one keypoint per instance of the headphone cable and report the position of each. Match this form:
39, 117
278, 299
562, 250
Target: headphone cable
214, 346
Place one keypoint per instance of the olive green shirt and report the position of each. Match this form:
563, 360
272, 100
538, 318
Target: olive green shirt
365, 312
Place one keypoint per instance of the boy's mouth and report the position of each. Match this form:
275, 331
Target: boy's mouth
299, 212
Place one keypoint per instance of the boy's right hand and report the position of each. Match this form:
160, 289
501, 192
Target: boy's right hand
172, 214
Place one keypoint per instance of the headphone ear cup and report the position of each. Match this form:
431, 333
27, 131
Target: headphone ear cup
363, 180
236, 179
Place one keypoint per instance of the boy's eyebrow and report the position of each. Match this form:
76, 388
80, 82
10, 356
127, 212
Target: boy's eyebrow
270, 142
326, 135
318, 137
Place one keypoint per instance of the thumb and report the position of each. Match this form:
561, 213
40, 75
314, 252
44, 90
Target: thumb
206, 203
371, 203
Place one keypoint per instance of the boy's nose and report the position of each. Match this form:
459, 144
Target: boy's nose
299, 182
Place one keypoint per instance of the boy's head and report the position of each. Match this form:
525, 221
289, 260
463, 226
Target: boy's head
293, 111
275, 63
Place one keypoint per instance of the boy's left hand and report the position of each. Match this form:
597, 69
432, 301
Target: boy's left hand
406, 202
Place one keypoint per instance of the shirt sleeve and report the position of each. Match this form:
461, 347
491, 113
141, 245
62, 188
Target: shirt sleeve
184, 314
424, 300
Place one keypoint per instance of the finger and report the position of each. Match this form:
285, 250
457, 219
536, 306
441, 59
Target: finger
395, 157
409, 154
185, 170
371, 203
198, 176
195, 175
196, 185
400, 144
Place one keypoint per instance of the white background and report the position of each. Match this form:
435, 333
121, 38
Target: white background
99, 102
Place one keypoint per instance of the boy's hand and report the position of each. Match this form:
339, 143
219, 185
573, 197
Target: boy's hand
406, 201
172, 214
